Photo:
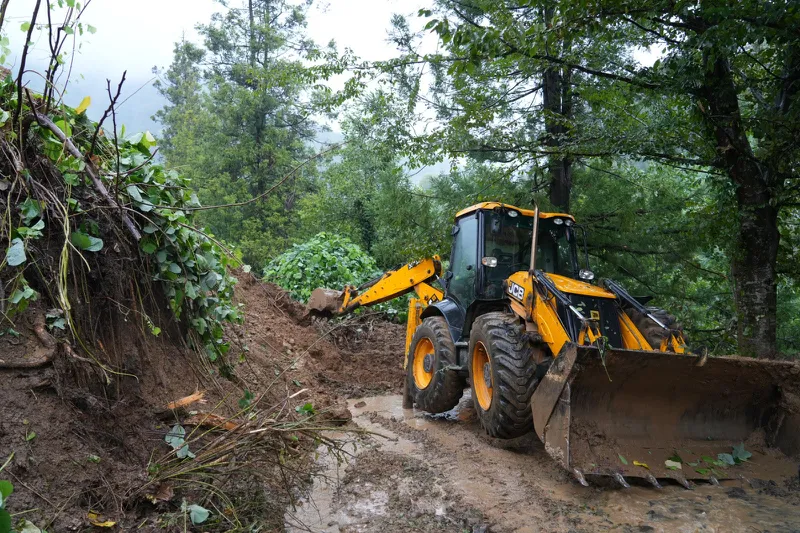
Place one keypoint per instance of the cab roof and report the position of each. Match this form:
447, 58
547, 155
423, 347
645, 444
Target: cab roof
523, 212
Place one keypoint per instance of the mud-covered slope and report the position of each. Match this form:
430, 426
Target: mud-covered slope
356, 356
82, 439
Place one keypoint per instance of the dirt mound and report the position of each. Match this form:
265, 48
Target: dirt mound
357, 356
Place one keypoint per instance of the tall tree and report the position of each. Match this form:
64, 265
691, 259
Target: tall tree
721, 99
239, 120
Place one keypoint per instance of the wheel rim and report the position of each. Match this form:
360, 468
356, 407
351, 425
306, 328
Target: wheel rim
482, 380
423, 373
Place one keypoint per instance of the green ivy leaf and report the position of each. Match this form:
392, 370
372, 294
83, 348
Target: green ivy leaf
198, 514
86, 242
134, 192
726, 458
5, 521
25, 26
308, 410
148, 246
740, 454
6, 489
15, 255
30, 209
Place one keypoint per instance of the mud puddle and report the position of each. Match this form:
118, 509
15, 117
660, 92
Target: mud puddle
416, 472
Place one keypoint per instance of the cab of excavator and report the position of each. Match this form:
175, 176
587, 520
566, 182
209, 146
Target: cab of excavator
491, 241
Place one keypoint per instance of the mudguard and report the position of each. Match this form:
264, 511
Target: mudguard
452, 313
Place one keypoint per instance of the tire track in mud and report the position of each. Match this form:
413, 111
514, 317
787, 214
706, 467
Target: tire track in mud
442, 473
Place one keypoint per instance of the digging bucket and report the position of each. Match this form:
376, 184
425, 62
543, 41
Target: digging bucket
325, 301
657, 415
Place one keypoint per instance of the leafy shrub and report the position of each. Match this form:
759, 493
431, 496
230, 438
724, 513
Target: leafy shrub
327, 260
190, 264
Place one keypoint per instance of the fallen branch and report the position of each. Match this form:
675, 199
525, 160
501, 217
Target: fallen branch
90, 170
187, 400
211, 420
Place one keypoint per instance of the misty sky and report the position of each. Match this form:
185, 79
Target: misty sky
136, 36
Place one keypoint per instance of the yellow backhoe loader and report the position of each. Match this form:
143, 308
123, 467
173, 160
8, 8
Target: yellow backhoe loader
604, 380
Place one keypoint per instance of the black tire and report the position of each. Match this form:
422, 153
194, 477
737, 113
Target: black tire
446, 385
652, 332
513, 374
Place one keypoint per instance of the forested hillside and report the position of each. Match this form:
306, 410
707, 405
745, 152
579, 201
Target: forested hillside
681, 163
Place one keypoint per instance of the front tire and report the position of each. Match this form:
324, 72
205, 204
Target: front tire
502, 373
432, 382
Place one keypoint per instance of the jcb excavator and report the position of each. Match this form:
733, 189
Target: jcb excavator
605, 381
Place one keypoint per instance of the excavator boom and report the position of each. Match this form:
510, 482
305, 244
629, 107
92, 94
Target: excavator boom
393, 284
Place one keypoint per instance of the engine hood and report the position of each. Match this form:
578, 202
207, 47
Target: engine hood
574, 286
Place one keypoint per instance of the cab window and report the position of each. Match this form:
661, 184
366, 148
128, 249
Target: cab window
464, 261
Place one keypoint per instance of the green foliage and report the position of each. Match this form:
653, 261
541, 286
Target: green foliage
330, 261
189, 263
326, 260
246, 399
197, 514
176, 439
6, 489
238, 121
307, 409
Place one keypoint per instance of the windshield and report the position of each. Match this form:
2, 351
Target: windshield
508, 239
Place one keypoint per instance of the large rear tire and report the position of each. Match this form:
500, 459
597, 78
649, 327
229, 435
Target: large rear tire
652, 332
502, 374
432, 382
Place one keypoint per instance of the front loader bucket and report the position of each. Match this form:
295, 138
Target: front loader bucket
657, 415
325, 300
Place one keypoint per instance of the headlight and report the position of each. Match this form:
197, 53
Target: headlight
558, 221
490, 262
512, 213
586, 275
568, 222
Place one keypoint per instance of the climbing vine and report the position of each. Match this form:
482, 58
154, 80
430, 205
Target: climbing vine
80, 197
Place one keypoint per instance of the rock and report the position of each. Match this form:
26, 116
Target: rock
736, 492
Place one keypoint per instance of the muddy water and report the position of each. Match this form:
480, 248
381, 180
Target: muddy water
443, 473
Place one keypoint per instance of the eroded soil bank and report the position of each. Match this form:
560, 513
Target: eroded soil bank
416, 472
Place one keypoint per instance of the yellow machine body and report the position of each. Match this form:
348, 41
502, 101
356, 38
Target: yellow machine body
632, 409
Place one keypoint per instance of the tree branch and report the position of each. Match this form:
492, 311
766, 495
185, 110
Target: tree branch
90, 170
23, 61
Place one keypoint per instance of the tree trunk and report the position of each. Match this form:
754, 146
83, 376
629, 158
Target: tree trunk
754, 263
557, 108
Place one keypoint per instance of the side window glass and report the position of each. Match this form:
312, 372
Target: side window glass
463, 262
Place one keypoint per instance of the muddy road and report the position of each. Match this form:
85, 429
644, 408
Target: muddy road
416, 472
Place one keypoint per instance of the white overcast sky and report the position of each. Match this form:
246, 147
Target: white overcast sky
136, 36
139, 35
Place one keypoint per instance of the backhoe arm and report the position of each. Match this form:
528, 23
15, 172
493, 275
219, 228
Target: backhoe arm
414, 276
